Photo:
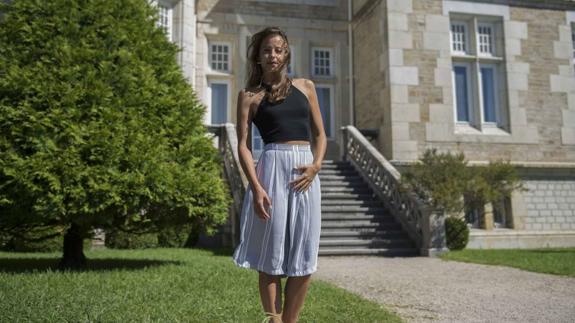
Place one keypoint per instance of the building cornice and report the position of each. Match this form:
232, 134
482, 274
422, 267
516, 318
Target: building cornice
540, 4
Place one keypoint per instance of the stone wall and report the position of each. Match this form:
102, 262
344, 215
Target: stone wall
540, 83
369, 66
550, 205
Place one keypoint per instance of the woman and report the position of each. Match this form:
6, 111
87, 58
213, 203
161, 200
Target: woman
281, 215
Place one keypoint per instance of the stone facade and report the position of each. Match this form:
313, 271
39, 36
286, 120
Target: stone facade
549, 205
416, 106
403, 82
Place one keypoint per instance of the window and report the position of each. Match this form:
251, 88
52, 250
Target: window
325, 100
219, 57
322, 62
478, 73
459, 37
462, 83
219, 102
165, 21
501, 212
485, 39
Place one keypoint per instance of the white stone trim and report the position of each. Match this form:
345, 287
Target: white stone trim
474, 8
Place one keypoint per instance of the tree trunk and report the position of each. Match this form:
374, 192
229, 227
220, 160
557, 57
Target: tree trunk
73, 258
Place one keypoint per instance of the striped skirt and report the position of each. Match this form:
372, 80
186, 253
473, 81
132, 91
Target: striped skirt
287, 243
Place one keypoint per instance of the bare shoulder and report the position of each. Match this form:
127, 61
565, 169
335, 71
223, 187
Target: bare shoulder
306, 86
248, 95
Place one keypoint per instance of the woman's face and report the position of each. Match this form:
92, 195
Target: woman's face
273, 53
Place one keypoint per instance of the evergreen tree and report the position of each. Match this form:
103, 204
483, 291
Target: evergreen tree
98, 126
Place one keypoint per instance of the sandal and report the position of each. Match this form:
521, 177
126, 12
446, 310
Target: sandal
270, 316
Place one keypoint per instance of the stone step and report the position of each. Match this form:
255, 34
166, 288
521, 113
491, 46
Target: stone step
338, 177
347, 196
338, 171
340, 233
357, 185
390, 252
353, 209
334, 162
366, 243
359, 225
358, 190
346, 217
330, 202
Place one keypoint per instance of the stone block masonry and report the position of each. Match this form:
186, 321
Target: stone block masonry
550, 205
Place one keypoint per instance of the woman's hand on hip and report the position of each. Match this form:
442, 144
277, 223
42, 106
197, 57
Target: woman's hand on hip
262, 204
303, 182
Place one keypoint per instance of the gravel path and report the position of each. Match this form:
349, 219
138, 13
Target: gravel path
422, 289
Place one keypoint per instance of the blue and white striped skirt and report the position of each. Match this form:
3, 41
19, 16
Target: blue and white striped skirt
287, 243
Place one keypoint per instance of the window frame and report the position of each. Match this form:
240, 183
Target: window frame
466, 43
331, 62
492, 41
474, 59
469, 91
169, 7
496, 94
228, 60
208, 115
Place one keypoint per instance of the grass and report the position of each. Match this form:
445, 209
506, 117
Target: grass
558, 261
156, 285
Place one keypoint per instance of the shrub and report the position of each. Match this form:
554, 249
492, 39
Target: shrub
456, 233
444, 181
125, 240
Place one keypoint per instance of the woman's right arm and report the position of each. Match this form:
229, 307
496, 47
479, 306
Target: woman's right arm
245, 154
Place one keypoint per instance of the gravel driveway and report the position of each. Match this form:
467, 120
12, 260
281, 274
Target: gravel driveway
422, 289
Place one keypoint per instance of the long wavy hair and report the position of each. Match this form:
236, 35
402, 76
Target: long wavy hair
255, 72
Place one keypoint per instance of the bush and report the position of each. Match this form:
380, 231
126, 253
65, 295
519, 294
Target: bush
456, 233
182, 236
125, 240
47, 240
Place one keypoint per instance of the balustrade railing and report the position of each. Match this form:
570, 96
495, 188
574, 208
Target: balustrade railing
424, 225
238, 183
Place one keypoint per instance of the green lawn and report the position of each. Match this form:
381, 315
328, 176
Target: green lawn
156, 285
558, 261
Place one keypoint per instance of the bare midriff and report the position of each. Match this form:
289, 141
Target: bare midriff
294, 142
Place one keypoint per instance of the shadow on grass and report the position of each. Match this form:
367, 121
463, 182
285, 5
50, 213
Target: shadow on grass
219, 251
29, 265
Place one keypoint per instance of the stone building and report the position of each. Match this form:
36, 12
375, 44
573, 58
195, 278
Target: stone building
493, 79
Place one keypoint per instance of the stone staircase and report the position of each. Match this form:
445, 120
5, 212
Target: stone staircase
354, 221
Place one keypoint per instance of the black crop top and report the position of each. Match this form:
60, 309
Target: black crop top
287, 120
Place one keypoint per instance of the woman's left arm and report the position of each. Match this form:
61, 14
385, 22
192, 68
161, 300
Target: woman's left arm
319, 142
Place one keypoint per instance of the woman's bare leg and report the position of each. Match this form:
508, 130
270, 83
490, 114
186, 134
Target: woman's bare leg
295, 291
271, 293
